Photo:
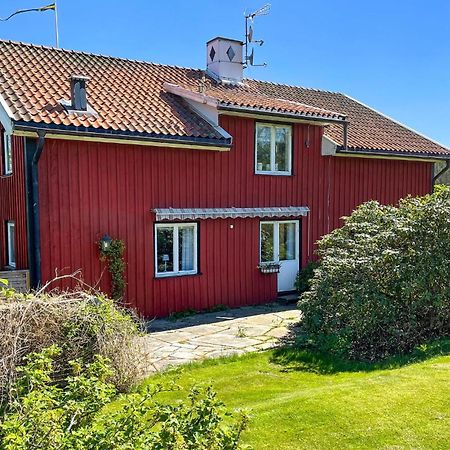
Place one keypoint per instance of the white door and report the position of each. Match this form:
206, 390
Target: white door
279, 242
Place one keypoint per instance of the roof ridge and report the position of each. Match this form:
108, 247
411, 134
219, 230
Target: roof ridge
99, 55
275, 83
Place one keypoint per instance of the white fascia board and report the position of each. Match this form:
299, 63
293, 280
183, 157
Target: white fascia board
190, 95
329, 147
6, 116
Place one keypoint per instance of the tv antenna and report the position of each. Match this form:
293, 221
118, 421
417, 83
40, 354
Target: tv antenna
249, 18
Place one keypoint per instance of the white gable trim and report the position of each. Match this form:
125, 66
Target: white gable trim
6, 116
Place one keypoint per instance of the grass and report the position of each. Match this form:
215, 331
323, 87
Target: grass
299, 400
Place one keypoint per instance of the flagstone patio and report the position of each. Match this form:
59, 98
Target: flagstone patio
210, 335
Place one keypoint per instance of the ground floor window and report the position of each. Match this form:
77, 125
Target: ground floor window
176, 249
10, 244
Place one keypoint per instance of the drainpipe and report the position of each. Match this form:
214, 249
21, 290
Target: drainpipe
441, 172
345, 130
35, 232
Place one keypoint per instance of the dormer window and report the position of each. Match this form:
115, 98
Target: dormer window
273, 149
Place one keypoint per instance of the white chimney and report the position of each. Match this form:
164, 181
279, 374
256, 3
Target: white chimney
224, 59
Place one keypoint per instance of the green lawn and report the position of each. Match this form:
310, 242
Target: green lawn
320, 405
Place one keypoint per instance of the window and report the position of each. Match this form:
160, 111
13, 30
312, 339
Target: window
273, 149
7, 155
278, 241
10, 249
176, 249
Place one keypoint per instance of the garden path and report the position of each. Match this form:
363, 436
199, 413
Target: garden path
215, 334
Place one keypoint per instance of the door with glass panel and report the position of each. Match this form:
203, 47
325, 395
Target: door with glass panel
279, 242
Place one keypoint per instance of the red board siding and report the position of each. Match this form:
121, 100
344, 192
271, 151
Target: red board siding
12, 204
88, 189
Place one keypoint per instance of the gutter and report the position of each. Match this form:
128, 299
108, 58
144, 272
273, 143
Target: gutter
135, 136
368, 152
264, 112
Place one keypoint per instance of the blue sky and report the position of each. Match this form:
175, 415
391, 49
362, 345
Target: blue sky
393, 55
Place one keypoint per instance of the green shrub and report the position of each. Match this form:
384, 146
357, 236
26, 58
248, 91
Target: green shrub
81, 324
304, 277
72, 415
382, 287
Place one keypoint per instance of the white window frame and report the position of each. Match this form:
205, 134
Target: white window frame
273, 127
7, 155
11, 247
176, 227
276, 238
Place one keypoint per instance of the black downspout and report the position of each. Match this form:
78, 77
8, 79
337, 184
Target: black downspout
441, 172
33, 153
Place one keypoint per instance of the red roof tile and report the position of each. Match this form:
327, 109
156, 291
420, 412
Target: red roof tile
368, 131
128, 97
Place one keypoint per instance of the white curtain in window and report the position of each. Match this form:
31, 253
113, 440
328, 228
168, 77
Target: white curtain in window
186, 237
290, 241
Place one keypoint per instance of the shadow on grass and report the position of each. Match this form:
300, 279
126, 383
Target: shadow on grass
293, 358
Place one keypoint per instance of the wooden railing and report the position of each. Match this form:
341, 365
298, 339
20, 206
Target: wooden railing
17, 279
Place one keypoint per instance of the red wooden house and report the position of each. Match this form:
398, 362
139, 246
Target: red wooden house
210, 179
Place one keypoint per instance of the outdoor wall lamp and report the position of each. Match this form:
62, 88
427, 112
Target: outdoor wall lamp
105, 242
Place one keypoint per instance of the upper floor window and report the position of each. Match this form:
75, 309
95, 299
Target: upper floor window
273, 149
176, 249
10, 244
7, 155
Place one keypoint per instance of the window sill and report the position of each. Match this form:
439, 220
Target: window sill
6, 175
280, 174
9, 268
176, 275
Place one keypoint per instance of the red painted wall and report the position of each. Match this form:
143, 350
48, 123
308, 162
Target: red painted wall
12, 204
88, 189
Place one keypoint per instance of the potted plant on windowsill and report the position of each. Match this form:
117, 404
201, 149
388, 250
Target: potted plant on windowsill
269, 267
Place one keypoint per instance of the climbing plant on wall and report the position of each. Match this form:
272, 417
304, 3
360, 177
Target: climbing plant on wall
112, 254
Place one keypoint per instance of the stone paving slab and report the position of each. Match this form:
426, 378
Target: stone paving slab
211, 335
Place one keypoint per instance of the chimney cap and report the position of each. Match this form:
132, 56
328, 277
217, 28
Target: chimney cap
80, 77
221, 38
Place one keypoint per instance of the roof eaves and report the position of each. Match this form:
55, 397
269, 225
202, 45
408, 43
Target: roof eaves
353, 151
71, 130
277, 113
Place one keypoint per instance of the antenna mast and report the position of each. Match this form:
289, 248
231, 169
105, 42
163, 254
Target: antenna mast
263, 11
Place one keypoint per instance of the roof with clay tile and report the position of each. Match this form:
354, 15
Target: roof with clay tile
128, 97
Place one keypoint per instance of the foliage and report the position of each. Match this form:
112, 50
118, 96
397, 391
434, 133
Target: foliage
82, 324
303, 279
302, 403
382, 285
113, 256
48, 416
